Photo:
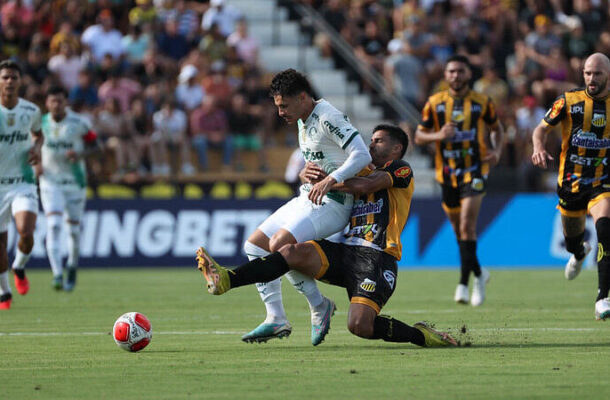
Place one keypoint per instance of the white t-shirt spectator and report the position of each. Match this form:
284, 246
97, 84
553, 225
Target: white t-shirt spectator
189, 96
66, 69
103, 42
226, 18
169, 126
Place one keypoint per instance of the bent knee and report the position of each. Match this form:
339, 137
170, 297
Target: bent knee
360, 328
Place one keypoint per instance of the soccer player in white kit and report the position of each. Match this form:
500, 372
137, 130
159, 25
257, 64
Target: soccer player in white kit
20, 142
68, 139
328, 139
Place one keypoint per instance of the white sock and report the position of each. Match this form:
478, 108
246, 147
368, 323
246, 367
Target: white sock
54, 222
20, 259
306, 286
4, 285
73, 245
270, 292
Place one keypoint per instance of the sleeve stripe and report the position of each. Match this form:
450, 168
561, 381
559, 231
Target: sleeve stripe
350, 140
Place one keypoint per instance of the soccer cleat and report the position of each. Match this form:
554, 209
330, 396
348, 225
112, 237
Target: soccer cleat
70, 279
5, 301
216, 275
478, 289
22, 285
320, 322
433, 337
267, 331
574, 266
602, 309
461, 294
58, 282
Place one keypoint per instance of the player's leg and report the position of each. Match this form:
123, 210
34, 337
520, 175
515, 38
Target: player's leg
574, 235
5, 288
600, 212
452, 208
75, 207
53, 202
24, 208
469, 215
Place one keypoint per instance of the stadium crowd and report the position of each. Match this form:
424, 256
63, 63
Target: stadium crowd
165, 80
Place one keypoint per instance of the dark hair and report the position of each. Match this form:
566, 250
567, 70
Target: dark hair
461, 59
397, 134
289, 83
11, 64
57, 90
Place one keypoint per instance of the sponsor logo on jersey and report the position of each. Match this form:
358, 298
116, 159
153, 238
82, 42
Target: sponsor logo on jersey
361, 208
58, 145
457, 116
447, 170
577, 109
9, 180
362, 230
458, 153
333, 129
599, 120
556, 108
588, 161
390, 278
368, 285
309, 155
14, 136
572, 177
478, 184
402, 172
475, 108
440, 108
463, 136
589, 140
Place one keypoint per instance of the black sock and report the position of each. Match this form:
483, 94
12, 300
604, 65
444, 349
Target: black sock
262, 269
602, 226
20, 273
393, 330
5, 297
574, 245
469, 260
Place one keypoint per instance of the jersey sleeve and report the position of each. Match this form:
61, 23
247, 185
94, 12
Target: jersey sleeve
427, 120
491, 116
339, 129
557, 112
400, 171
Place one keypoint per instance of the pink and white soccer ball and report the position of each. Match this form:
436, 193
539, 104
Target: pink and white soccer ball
132, 331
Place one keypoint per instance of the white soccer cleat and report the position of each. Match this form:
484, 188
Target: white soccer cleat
478, 289
574, 266
461, 294
602, 309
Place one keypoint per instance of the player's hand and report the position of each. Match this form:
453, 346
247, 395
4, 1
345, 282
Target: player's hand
448, 130
539, 158
34, 155
319, 190
72, 156
38, 170
312, 173
493, 157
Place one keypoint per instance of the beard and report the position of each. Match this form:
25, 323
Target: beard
601, 86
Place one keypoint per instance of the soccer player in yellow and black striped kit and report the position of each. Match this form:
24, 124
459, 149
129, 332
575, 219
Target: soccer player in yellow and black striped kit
583, 184
363, 260
467, 135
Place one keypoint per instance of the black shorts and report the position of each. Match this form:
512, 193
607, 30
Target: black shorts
452, 195
369, 275
577, 204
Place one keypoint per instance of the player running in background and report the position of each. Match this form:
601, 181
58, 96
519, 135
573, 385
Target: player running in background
583, 184
328, 139
364, 259
456, 121
20, 142
68, 139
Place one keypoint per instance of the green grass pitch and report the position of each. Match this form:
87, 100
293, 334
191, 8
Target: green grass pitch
534, 338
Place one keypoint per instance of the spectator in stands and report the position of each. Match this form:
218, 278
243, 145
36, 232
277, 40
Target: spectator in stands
555, 75
188, 20
137, 43
9, 41
540, 41
66, 65
103, 38
143, 12
372, 45
210, 128
20, 15
171, 43
247, 47
64, 34
217, 84
142, 138
403, 73
189, 93
84, 92
170, 133
213, 44
222, 14
493, 86
243, 126
119, 87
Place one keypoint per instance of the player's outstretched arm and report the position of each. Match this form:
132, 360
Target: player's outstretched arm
540, 155
378, 180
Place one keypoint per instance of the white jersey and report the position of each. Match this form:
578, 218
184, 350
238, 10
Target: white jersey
324, 136
59, 137
16, 126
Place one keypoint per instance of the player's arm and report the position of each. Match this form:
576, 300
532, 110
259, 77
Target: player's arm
425, 133
495, 143
37, 140
540, 155
377, 180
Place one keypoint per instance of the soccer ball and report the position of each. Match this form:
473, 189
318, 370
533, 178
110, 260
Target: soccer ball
132, 331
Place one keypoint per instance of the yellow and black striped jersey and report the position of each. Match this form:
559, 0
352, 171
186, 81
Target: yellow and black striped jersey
459, 159
585, 139
378, 218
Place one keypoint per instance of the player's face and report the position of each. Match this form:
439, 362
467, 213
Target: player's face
596, 77
381, 148
457, 74
56, 104
10, 80
290, 108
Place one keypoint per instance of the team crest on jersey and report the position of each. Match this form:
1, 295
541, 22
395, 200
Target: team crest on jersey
557, 107
599, 120
24, 119
457, 116
402, 172
10, 120
390, 278
368, 285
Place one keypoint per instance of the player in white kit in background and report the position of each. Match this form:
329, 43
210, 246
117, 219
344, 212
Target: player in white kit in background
20, 142
328, 139
68, 139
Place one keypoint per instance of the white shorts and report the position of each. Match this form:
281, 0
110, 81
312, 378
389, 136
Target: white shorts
14, 199
57, 199
308, 221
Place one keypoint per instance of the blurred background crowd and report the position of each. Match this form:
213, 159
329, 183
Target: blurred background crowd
166, 81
